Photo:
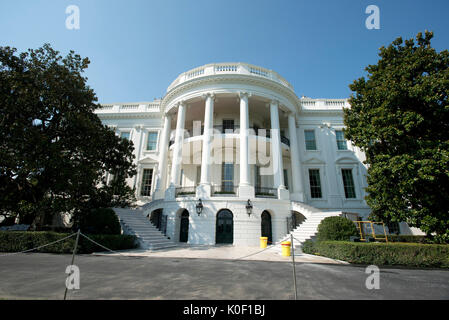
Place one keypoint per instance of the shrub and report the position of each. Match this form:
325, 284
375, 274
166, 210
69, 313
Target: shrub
100, 221
336, 228
16, 241
404, 254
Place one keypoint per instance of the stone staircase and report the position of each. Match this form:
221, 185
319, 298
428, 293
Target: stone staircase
135, 223
309, 228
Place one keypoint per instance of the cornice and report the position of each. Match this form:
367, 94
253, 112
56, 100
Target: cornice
231, 78
104, 116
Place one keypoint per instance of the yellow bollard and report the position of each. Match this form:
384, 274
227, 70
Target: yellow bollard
263, 242
286, 248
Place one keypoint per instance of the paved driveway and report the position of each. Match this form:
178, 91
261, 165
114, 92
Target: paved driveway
41, 276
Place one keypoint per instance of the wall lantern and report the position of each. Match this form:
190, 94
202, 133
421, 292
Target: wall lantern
249, 208
199, 207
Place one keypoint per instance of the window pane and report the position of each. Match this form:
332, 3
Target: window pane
227, 177
310, 139
147, 178
124, 135
228, 125
315, 183
348, 183
286, 178
341, 141
152, 141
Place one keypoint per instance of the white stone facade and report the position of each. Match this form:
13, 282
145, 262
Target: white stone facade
217, 114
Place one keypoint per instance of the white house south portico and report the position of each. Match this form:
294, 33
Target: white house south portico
236, 141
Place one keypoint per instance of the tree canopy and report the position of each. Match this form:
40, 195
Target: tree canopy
399, 117
54, 150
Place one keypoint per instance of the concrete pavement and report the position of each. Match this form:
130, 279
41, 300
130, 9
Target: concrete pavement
42, 276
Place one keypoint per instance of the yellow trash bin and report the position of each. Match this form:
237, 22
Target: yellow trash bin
286, 248
263, 242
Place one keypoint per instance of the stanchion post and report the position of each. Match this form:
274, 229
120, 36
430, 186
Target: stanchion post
294, 267
73, 257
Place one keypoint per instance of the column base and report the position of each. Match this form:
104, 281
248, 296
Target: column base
204, 191
247, 192
283, 194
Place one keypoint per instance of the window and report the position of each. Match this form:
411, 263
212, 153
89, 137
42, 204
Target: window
315, 183
341, 141
310, 139
147, 179
348, 183
152, 141
286, 178
125, 135
228, 125
227, 177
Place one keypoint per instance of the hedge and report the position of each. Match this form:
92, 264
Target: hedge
401, 254
15, 241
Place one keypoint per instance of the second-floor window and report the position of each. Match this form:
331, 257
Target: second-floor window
341, 141
315, 183
309, 136
348, 183
152, 141
227, 176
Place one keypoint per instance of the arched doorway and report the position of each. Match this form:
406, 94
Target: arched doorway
156, 218
225, 227
184, 227
266, 226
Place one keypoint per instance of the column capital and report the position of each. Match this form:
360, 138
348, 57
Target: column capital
182, 103
244, 94
210, 95
274, 102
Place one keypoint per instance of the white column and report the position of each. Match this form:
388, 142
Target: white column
297, 183
163, 159
246, 190
278, 167
204, 189
179, 139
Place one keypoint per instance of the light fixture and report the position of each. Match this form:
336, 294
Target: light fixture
199, 207
249, 207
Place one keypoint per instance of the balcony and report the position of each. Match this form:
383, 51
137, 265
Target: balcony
185, 191
244, 69
262, 192
224, 190
234, 130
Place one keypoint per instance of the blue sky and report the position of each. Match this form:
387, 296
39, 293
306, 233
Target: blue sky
138, 47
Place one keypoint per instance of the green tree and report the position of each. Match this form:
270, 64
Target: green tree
54, 151
399, 117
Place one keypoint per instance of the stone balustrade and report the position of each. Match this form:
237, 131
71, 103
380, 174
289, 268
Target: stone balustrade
229, 68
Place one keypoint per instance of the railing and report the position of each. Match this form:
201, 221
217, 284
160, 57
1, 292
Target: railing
262, 192
229, 68
224, 190
130, 107
185, 191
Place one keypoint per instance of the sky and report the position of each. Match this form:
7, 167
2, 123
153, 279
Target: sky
138, 47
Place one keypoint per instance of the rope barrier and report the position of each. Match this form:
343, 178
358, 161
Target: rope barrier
40, 247
110, 250
253, 254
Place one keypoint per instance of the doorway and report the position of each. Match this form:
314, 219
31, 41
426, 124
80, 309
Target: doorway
266, 226
184, 227
225, 227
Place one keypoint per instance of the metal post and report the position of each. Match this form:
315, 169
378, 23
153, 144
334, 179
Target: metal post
73, 257
294, 268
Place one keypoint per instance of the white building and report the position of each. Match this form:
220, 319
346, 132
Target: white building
227, 133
